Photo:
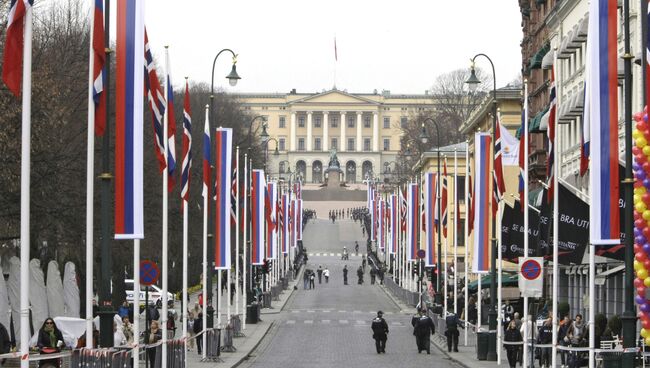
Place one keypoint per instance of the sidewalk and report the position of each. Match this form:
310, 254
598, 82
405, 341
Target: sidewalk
466, 355
254, 333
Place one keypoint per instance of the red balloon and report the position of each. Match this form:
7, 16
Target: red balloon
645, 323
641, 291
637, 248
638, 282
638, 223
639, 124
641, 256
638, 116
638, 184
646, 264
646, 232
637, 216
640, 315
640, 159
636, 150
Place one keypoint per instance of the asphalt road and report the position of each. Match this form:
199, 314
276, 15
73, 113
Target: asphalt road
329, 326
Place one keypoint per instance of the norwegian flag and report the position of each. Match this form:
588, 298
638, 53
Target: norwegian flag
171, 130
498, 161
233, 192
12, 69
99, 59
403, 205
551, 137
470, 201
187, 145
157, 103
444, 200
496, 195
207, 156
297, 188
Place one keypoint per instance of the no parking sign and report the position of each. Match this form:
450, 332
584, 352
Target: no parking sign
531, 276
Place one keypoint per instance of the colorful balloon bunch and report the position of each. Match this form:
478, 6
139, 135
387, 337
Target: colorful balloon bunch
641, 167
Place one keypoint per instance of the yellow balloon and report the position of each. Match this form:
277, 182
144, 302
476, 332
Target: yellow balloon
640, 190
647, 341
645, 333
646, 282
636, 197
636, 134
642, 273
646, 215
639, 206
641, 142
646, 150
637, 265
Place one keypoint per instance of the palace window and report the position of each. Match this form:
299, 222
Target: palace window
281, 143
283, 122
350, 144
301, 122
386, 144
366, 122
317, 145
366, 144
386, 122
350, 122
335, 122
335, 144
317, 122
301, 144
404, 121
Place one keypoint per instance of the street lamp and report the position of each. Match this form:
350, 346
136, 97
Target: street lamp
473, 83
424, 138
232, 77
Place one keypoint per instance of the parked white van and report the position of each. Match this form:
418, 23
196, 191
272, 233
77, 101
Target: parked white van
155, 294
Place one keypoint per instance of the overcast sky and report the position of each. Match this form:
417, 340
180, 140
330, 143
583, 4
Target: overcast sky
400, 46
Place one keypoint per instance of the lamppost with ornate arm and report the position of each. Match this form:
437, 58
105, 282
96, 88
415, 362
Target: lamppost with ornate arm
473, 83
232, 77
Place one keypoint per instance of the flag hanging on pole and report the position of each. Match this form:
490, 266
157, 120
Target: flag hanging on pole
412, 226
207, 156
430, 208
157, 104
12, 64
444, 200
551, 136
299, 219
336, 54
233, 192
258, 191
522, 152
99, 59
498, 160
470, 200
187, 145
222, 168
294, 222
129, 204
285, 223
481, 261
403, 207
271, 229
394, 223
171, 130
601, 115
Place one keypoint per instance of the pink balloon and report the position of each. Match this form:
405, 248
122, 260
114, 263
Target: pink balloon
638, 116
641, 291
641, 256
638, 282
645, 323
646, 232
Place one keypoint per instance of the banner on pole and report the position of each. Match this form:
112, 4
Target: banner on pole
412, 221
482, 160
272, 231
223, 170
429, 218
258, 191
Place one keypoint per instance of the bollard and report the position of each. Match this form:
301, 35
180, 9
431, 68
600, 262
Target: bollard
236, 325
227, 339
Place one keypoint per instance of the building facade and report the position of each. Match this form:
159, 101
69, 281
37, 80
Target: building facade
363, 128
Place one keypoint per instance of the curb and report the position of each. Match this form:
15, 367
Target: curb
449, 356
247, 355
397, 302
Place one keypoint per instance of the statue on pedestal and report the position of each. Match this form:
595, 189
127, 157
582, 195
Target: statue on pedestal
334, 161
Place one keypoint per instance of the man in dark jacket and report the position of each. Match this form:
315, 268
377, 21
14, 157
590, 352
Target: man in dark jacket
545, 337
345, 275
452, 332
380, 332
360, 275
5, 342
423, 328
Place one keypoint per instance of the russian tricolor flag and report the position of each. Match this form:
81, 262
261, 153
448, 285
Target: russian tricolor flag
412, 221
129, 114
482, 161
285, 224
223, 168
298, 219
394, 224
258, 191
430, 217
294, 222
601, 116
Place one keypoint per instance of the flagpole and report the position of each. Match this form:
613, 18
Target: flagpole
25, 168
206, 194
556, 214
185, 251
455, 227
236, 235
500, 280
136, 304
90, 191
187, 157
446, 281
245, 241
219, 272
165, 199
524, 136
466, 236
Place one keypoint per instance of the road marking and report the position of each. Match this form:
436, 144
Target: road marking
356, 311
343, 321
332, 254
326, 311
311, 311
326, 321
295, 311
342, 311
396, 323
291, 322
309, 321
361, 322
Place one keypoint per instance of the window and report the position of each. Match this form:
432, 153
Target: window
350, 122
366, 144
281, 143
404, 121
301, 122
460, 234
350, 144
335, 144
317, 145
460, 189
301, 144
317, 122
281, 167
283, 122
386, 122
386, 144
335, 122
366, 122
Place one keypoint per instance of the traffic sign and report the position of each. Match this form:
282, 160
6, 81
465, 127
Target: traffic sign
421, 253
149, 273
531, 269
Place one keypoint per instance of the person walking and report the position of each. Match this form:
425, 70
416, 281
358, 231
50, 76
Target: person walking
326, 273
380, 332
356, 247
512, 335
345, 275
197, 328
373, 274
312, 280
452, 332
320, 273
360, 275
562, 338
545, 336
423, 328
305, 279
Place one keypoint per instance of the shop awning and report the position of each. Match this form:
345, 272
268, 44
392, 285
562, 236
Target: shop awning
536, 60
506, 280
